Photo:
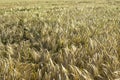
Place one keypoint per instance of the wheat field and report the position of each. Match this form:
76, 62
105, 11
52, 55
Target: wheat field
59, 40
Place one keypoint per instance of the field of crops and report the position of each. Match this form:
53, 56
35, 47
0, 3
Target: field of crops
60, 40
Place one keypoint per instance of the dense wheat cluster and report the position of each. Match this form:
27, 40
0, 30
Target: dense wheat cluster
60, 40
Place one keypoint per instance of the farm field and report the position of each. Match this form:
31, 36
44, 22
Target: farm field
59, 39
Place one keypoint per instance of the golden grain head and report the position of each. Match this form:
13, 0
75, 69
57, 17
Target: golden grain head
59, 40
